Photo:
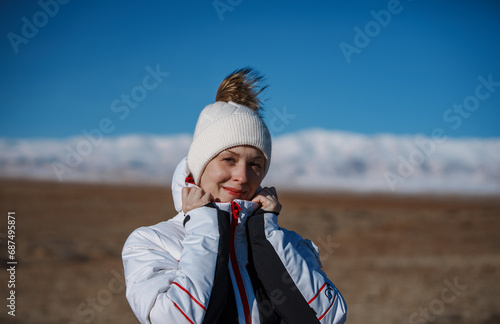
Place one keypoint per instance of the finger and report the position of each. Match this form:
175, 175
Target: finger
265, 202
258, 199
195, 194
185, 193
267, 198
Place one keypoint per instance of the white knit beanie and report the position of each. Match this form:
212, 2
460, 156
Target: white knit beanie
223, 125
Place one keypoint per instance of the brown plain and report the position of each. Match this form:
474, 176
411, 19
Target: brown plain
388, 254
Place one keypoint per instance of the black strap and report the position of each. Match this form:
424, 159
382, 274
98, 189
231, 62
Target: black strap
284, 295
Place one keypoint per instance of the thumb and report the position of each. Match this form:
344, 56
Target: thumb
258, 199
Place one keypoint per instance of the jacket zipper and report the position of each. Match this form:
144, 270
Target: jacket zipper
235, 209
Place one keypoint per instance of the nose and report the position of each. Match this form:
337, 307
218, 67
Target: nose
240, 173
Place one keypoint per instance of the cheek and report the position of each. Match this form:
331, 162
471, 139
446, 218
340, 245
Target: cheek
255, 181
215, 176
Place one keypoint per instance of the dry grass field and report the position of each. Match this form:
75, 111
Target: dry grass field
394, 258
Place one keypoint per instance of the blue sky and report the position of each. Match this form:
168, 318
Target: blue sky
402, 78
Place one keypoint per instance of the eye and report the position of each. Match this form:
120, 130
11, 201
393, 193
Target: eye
229, 159
256, 164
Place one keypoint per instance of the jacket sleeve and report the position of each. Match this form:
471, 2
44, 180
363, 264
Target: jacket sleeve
161, 289
289, 270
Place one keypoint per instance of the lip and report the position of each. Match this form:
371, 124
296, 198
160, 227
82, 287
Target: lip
234, 192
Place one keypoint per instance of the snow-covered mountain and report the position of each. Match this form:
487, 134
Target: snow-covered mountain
311, 159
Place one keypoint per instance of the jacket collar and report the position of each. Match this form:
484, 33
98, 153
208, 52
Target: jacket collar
179, 181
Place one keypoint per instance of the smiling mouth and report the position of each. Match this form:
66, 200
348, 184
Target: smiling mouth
234, 192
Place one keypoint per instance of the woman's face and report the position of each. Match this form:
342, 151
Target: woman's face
235, 173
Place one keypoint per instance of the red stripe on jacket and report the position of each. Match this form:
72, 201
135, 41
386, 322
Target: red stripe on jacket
187, 292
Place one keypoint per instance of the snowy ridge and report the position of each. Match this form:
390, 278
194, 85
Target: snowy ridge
311, 159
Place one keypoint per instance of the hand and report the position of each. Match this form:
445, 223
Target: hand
268, 199
193, 198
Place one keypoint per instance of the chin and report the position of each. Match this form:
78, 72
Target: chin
229, 198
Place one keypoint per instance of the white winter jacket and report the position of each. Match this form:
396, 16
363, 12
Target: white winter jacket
226, 263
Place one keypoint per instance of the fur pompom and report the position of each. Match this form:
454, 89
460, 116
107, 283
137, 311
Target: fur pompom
243, 87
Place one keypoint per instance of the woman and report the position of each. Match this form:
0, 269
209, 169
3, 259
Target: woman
223, 258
